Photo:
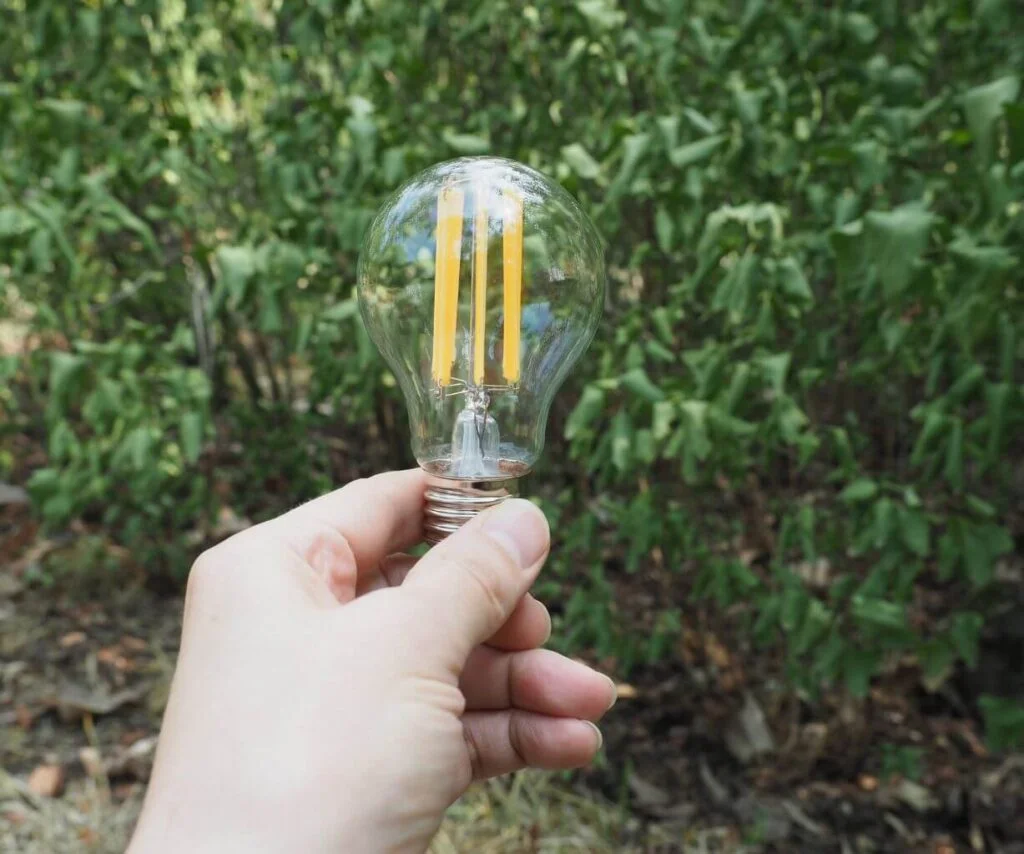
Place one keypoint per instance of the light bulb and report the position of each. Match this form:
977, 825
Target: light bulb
481, 281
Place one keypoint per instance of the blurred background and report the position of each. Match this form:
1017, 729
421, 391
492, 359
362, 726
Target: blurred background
786, 483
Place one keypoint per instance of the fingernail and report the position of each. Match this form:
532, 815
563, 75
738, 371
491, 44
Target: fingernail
614, 691
520, 529
597, 732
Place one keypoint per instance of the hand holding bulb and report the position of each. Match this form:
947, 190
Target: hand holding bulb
332, 695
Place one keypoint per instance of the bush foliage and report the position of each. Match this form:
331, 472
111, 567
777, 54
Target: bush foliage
807, 390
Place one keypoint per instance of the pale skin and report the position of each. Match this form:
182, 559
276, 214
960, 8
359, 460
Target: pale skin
334, 695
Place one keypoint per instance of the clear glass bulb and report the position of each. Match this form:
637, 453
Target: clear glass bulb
481, 281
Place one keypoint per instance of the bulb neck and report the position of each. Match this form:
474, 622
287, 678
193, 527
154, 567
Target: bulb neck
451, 502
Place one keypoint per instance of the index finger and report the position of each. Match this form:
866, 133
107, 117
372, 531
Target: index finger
375, 517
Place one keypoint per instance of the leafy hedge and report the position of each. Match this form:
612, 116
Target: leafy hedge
807, 391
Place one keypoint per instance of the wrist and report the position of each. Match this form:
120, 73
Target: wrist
167, 829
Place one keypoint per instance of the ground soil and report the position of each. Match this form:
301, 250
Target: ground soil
708, 741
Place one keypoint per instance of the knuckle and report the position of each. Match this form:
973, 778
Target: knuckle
326, 547
220, 564
473, 753
362, 487
204, 568
521, 736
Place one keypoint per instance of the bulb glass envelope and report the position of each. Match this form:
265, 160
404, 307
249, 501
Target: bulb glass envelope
481, 281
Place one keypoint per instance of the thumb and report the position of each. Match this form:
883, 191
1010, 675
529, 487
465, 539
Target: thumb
466, 587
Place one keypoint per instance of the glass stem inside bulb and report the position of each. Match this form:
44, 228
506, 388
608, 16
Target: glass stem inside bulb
475, 439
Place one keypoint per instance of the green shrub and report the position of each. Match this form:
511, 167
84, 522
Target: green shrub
805, 400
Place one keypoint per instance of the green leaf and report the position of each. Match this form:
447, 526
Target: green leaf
982, 106
861, 27
937, 658
580, 161
603, 14
965, 384
733, 291
978, 556
634, 148
191, 435
699, 121
1004, 722
466, 143
663, 229
816, 622
622, 441
775, 369
795, 602
663, 325
859, 666
748, 105
586, 411
1007, 348
637, 382
237, 265
982, 257
125, 217
340, 311
728, 425
137, 445
61, 442
848, 243
884, 517
694, 152
64, 370
896, 239
662, 419
980, 507
879, 613
794, 282
914, 530
737, 387
669, 127
695, 414
828, 657
791, 420
53, 218
68, 109
860, 490
271, 322
659, 351
934, 422
954, 470
1015, 131
997, 399
13, 222
965, 633
643, 446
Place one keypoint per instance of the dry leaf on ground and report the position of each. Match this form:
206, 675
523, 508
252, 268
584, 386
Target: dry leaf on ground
47, 781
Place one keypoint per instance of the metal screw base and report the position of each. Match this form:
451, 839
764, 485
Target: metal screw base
450, 503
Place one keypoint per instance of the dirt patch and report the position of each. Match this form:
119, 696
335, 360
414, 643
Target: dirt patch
706, 749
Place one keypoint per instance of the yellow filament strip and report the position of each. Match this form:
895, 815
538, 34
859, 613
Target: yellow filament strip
479, 287
446, 281
512, 265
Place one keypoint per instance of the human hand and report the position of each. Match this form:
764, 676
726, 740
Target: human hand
331, 696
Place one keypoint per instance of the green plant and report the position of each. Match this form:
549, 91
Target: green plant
805, 404
1004, 722
900, 760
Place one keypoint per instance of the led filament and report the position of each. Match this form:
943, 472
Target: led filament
447, 270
